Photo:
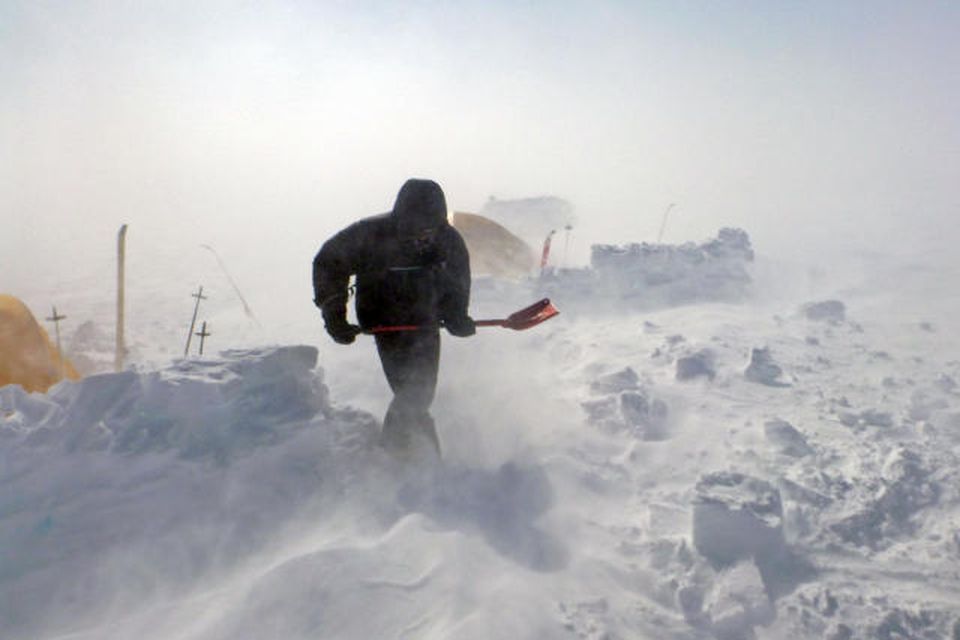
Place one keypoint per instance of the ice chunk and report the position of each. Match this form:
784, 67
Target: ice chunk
832, 311
786, 438
875, 418
738, 602
646, 417
736, 516
696, 365
21, 410
600, 411
616, 382
634, 411
763, 370
906, 487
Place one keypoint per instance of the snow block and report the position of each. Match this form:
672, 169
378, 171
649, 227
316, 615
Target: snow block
644, 416
763, 370
831, 311
601, 412
908, 486
736, 517
696, 365
786, 438
635, 412
738, 602
623, 380
866, 418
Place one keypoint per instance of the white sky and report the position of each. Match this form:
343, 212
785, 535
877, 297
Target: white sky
264, 127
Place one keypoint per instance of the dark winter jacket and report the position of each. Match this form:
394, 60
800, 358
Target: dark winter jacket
411, 266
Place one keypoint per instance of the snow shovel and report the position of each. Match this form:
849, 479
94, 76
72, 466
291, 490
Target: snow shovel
518, 321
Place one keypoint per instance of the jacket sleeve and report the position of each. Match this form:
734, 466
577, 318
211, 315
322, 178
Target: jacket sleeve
332, 267
455, 291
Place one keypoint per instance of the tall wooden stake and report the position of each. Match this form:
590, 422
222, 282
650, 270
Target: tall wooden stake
55, 319
193, 322
121, 348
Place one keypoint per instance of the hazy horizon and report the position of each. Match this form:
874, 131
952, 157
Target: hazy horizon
269, 127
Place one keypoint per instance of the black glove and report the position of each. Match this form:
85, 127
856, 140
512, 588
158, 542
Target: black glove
339, 329
461, 327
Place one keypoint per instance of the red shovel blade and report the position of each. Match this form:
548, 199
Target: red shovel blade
525, 318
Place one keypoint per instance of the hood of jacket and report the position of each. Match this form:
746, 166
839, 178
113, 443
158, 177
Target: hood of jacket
420, 206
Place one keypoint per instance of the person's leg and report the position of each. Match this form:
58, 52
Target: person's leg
410, 362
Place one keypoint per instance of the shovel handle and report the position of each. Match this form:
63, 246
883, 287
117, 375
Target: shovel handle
395, 328
416, 327
489, 323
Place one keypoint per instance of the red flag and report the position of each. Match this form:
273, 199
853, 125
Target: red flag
546, 250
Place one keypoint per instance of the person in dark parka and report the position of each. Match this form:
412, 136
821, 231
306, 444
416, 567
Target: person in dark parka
412, 269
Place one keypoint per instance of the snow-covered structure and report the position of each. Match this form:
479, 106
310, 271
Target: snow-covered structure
645, 276
494, 250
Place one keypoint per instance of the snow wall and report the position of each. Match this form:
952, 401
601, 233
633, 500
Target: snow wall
637, 277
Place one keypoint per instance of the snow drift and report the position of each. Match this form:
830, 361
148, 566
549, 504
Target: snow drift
182, 502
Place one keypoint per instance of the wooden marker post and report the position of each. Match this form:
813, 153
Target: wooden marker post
193, 322
55, 319
203, 333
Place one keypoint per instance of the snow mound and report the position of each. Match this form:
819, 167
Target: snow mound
123, 489
200, 408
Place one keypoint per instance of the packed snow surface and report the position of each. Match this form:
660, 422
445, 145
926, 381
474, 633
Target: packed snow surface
781, 467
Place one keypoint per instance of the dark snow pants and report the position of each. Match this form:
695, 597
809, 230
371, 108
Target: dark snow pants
410, 361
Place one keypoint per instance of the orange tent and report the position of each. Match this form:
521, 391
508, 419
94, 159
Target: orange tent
27, 356
493, 249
